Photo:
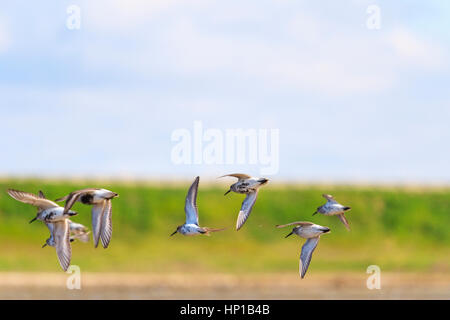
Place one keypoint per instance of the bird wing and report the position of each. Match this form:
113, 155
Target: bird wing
106, 229
190, 207
246, 209
74, 226
32, 199
77, 191
302, 223
306, 255
240, 176
85, 190
330, 198
213, 229
62, 199
72, 198
62, 241
344, 220
97, 213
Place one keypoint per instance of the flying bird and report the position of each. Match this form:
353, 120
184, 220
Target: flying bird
249, 186
56, 220
191, 227
332, 208
312, 233
48, 211
101, 211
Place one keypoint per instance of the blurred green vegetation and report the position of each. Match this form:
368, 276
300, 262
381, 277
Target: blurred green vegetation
395, 228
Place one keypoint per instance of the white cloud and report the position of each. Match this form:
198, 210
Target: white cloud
409, 48
304, 60
304, 50
305, 27
123, 16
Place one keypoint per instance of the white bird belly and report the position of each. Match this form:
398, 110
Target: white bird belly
333, 209
309, 233
190, 229
53, 214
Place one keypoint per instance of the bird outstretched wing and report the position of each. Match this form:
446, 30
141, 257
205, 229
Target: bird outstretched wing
190, 207
240, 176
306, 255
246, 209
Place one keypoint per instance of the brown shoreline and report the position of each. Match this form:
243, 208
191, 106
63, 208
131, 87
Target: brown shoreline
224, 286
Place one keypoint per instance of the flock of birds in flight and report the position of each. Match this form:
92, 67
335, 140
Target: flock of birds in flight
63, 231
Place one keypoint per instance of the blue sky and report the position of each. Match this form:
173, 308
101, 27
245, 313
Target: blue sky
351, 104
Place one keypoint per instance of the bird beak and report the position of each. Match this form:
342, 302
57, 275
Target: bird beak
314, 213
227, 192
32, 220
44, 245
289, 234
174, 232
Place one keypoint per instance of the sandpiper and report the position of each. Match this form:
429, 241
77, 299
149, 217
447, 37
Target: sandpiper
249, 186
48, 211
55, 219
332, 208
191, 227
312, 233
101, 211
